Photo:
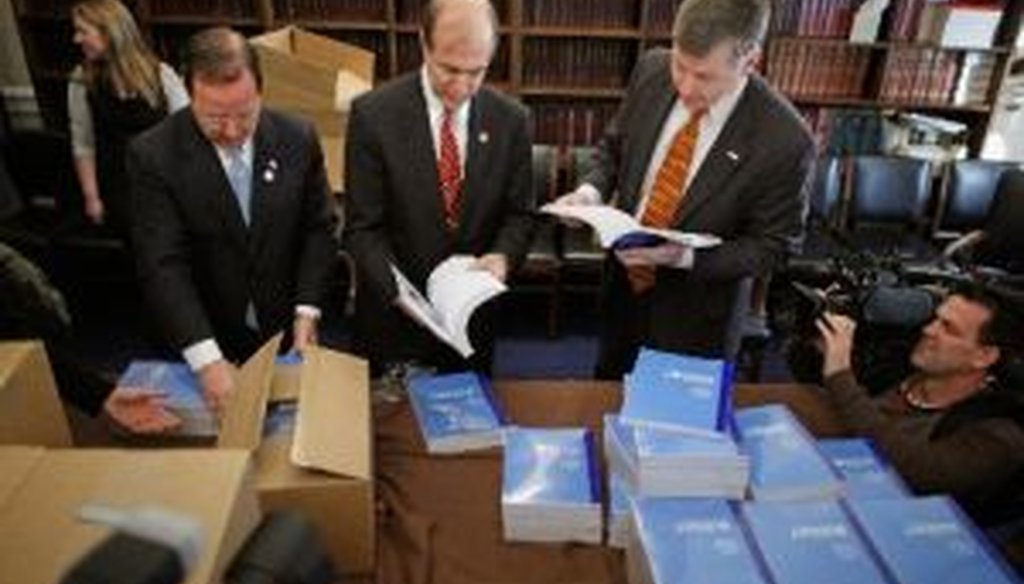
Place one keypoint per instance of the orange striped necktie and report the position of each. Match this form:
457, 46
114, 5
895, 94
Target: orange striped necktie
449, 172
667, 192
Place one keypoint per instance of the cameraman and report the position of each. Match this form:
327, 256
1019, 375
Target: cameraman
950, 426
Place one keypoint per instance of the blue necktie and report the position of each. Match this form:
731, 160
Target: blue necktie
240, 177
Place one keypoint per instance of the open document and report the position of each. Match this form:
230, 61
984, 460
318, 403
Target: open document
618, 229
454, 291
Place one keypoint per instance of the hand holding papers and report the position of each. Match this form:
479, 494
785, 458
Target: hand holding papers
619, 230
455, 289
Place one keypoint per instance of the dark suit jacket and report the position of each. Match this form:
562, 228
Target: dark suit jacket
749, 190
394, 211
198, 262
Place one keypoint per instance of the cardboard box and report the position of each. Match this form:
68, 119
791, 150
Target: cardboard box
30, 408
316, 77
41, 491
323, 466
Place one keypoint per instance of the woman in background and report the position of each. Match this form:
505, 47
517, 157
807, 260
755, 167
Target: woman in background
118, 90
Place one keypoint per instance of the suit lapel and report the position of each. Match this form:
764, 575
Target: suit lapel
477, 141
420, 153
730, 150
661, 97
266, 178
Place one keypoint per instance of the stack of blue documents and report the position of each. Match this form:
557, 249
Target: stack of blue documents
456, 412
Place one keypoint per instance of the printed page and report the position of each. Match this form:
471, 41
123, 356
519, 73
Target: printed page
456, 289
612, 224
419, 309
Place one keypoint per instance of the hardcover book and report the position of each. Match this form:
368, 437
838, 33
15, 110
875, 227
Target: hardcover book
801, 541
456, 412
696, 541
785, 461
184, 398
550, 485
928, 539
679, 393
863, 471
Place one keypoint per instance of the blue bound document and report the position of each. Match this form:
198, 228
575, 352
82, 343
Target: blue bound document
184, 398
785, 463
678, 393
863, 471
456, 412
692, 541
928, 540
802, 542
550, 485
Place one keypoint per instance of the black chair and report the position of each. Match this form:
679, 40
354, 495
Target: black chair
968, 187
888, 200
824, 218
541, 269
998, 247
581, 252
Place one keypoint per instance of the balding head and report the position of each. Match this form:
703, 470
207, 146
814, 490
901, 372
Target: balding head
469, 19
458, 39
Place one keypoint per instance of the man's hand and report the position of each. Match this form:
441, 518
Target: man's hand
495, 263
94, 209
837, 340
138, 410
218, 382
304, 332
669, 253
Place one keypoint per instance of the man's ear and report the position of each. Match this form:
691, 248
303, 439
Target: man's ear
987, 356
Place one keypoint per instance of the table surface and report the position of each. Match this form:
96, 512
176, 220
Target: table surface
440, 518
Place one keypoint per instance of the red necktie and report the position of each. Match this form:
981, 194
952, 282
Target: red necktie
667, 192
449, 172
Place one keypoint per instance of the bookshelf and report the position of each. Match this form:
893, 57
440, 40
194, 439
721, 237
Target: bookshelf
569, 60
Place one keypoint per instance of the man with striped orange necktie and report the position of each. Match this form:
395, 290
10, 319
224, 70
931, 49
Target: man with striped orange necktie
436, 165
702, 144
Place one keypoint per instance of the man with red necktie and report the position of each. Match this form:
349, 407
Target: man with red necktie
701, 143
436, 165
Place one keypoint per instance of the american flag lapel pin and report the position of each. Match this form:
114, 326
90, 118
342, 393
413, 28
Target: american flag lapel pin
269, 173
732, 155
483, 137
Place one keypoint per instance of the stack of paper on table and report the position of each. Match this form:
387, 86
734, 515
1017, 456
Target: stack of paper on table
862, 469
550, 487
661, 463
620, 510
808, 542
929, 539
680, 393
785, 461
692, 541
456, 412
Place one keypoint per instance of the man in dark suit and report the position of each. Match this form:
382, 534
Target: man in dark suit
436, 165
700, 144
233, 229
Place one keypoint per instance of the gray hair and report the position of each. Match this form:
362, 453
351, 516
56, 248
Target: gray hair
701, 25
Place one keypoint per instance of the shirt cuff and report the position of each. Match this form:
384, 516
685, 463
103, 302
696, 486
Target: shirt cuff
307, 310
685, 261
201, 354
590, 193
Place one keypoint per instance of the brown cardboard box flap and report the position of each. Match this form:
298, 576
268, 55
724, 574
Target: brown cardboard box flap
16, 463
332, 429
41, 535
31, 412
242, 424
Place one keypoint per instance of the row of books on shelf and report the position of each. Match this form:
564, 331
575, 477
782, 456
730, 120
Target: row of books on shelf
590, 13
814, 18
571, 123
946, 23
934, 76
224, 8
356, 10
856, 541
805, 71
577, 62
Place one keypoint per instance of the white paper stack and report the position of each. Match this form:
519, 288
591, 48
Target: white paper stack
660, 463
620, 509
550, 486
786, 464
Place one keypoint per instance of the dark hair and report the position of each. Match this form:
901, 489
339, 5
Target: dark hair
433, 10
219, 55
1003, 327
700, 25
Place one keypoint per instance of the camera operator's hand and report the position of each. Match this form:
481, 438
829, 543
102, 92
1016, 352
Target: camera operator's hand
837, 340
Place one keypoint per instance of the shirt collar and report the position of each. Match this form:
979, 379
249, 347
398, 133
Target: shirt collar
720, 111
435, 108
245, 149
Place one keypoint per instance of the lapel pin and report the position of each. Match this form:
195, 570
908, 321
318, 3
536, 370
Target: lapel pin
272, 163
268, 176
732, 155
483, 137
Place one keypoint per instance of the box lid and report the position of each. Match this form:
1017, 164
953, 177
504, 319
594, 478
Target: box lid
31, 412
242, 424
